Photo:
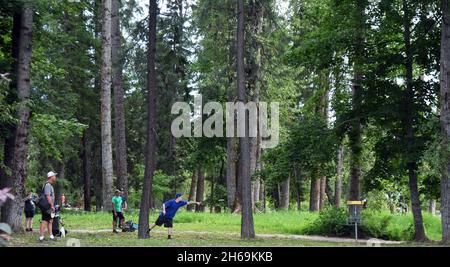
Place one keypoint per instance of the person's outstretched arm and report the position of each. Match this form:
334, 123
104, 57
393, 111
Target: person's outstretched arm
193, 202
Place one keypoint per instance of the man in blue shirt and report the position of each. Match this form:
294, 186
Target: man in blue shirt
169, 209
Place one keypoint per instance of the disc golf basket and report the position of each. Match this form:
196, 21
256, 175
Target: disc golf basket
354, 208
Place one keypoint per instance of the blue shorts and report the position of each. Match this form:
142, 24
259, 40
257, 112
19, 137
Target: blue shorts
168, 222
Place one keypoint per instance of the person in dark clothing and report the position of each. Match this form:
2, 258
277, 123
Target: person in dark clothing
29, 212
169, 209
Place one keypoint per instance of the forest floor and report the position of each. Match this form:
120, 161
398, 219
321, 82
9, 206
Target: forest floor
201, 230
101, 238
105, 238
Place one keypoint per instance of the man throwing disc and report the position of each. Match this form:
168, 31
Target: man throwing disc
169, 209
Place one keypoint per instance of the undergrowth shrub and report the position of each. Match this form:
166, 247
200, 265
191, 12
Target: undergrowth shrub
331, 222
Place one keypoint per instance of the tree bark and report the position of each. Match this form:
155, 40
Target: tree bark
256, 13
244, 179
96, 144
119, 107
322, 194
256, 188
339, 171
329, 192
231, 171
98, 180
17, 144
212, 202
192, 192
107, 161
275, 194
263, 195
233, 201
419, 234
200, 190
314, 195
87, 170
150, 155
355, 141
284, 194
298, 185
445, 119
432, 207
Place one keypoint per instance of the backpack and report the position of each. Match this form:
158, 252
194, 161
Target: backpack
42, 201
130, 226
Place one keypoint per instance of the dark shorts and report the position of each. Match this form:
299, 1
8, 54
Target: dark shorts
29, 214
118, 215
168, 222
46, 216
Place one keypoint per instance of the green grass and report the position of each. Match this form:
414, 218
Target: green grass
159, 240
265, 223
400, 227
381, 224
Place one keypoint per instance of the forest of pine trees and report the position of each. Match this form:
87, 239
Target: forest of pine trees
87, 87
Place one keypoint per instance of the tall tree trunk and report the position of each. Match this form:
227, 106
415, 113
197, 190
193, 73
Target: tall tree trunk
275, 194
192, 192
263, 195
339, 171
18, 143
180, 70
256, 186
231, 171
222, 182
256, 191
150, 161
329, 192
284, 194
262, 190
119, 108
325, 189
445, 119
298, 187
314, 194
237, 205
247, 227
87, 170
211, 207
233, 201
200, 190
107, 161
419, 234
322, 194
98, 179
256, 13
432, 207
96, 149
355, 133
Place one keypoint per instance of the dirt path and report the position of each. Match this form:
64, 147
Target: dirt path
268, 236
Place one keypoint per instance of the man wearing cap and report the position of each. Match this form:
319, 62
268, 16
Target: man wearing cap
169, 209
47, 219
